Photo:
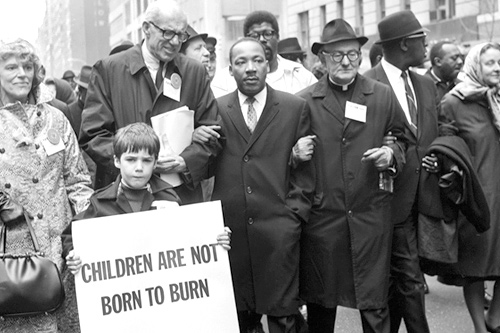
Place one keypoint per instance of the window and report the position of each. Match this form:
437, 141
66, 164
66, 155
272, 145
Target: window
304, 29
139, 35
116, 25
138, 4
340, 9
144, 5
360, 19
127, 13
405, 4
443, 9
381, 9
488, 6
322, 16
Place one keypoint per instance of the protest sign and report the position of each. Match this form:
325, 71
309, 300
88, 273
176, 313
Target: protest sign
155, 271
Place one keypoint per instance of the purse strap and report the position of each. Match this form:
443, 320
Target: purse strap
3, 235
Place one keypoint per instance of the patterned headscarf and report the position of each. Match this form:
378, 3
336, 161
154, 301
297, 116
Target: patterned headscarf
473, 87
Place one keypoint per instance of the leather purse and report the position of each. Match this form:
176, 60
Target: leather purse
29, 283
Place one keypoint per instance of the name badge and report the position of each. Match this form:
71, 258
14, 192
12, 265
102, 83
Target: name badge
355, 111
172, 87
53, 143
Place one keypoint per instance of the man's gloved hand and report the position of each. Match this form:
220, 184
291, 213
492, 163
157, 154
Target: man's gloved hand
10, 210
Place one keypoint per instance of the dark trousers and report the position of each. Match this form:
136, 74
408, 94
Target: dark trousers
322, 320
406, 289
249, 321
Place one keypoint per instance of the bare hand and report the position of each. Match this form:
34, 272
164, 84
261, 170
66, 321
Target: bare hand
224, 239
304, 148
204, 134
73, 262
381, 157
170, 164
430, 163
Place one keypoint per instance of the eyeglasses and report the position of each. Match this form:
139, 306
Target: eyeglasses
339, 56
267, 34
169, 34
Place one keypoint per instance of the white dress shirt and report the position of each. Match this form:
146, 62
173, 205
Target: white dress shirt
258, 105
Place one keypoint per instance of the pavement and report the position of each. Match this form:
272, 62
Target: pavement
445, 308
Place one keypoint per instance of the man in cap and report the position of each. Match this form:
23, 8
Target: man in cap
69, 76
446, 63
125, 45
289, 48
265, 199
403, 44
142, 82
345, 245
196, 48
211, 43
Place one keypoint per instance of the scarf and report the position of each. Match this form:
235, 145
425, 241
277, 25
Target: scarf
473, 86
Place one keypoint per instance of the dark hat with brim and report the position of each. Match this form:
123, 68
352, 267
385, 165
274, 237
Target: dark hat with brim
84, 78
289, 46
211, 40
399, 25
337, 30
192, 36
122, 47
68, 74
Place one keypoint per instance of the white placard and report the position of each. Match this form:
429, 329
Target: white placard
155, 271
175, 130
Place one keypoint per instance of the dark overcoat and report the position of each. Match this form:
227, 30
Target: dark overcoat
264, 201
122, 92
345, 249
478, 254
407, 184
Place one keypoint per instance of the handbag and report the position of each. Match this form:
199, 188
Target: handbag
29, 283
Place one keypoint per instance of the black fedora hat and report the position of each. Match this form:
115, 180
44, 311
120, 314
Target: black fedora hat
289, 46
399, 25
336, 31
84, 78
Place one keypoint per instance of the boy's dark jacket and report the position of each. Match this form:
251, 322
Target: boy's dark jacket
107, 202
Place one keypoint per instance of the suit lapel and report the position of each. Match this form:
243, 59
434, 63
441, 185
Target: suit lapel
122, 202
271, 109
234, 113
329, 102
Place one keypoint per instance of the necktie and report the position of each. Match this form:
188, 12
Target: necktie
159, 75
412, 107
251, 114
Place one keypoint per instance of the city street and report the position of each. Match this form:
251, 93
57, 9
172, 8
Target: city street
446, 312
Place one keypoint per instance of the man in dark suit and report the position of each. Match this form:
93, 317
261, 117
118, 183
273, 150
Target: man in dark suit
345, 246
403, 43
144, 81
265, 200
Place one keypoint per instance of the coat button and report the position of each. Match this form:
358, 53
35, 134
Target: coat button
2, 150
7, 185
35, 180
250, 221
246, 158
249, 190
37, 146
40, 216
349, 213
39, 113
343, 140
417, 170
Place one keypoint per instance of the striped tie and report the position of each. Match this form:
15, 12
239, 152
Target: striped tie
410, 98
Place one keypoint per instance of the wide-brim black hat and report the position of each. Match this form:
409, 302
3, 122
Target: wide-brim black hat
122, 47
289, 46
336, 31
399, 25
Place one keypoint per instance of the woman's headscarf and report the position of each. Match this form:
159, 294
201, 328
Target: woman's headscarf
473, 87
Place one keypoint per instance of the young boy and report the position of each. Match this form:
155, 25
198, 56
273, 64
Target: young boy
136, 189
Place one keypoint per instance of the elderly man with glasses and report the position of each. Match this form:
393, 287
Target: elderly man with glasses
146, 80
346, 244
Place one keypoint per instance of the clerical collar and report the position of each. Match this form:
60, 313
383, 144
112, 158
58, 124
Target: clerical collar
340, 87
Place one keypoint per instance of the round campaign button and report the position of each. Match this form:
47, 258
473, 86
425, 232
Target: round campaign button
176, 80
53, 136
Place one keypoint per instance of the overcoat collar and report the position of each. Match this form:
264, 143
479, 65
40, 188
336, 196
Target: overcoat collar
362, 88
